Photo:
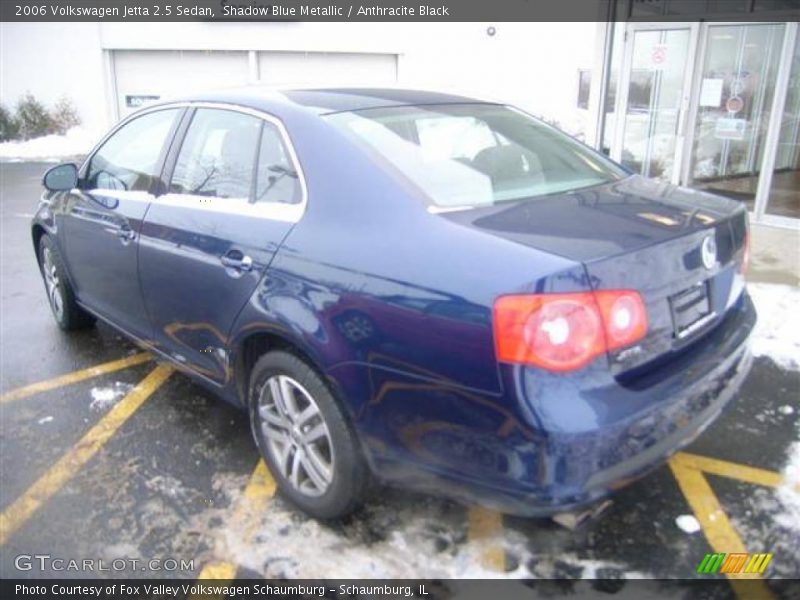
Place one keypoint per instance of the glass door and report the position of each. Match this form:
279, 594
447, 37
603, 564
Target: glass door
734, 97
783, 196
653, 99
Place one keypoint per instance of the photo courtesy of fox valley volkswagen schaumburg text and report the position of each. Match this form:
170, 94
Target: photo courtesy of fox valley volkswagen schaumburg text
400, 300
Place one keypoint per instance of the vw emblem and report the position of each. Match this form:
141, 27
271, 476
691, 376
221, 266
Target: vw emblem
708, 251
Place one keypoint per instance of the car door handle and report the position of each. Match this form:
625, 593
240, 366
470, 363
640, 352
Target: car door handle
237, 260
125, 233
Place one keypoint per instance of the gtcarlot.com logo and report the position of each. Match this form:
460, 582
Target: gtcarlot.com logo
741, 562
46, 562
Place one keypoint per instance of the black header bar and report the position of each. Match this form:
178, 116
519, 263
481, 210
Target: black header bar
398, 10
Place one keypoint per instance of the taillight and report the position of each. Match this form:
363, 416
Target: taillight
562, 332
624, 316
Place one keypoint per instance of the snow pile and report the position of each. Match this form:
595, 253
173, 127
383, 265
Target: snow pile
776, 336
77, 141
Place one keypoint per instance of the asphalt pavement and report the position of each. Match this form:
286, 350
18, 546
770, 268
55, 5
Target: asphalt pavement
133, 461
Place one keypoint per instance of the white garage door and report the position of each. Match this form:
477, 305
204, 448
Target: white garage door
143, 76
326, 68
146, 75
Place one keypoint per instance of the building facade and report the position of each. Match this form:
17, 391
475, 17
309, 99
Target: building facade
108, 69
713, 104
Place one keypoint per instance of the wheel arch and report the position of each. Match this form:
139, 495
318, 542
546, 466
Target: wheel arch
254, 345
37, 231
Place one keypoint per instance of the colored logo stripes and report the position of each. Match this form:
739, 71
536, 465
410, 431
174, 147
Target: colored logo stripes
734, 563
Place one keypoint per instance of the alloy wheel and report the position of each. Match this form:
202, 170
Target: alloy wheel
295, 433
52, 283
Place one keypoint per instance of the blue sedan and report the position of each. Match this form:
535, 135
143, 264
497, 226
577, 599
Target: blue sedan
409, 287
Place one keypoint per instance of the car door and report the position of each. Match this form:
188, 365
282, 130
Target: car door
235, 190
103, 217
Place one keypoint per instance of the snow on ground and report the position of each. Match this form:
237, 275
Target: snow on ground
688, 523
776, 334
788, 493
77, 141
104, 398
424, 538
777, 529
167, 486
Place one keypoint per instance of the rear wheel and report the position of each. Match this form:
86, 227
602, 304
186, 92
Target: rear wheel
66, 311
304, 437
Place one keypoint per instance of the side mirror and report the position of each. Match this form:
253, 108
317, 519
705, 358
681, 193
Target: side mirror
61, 178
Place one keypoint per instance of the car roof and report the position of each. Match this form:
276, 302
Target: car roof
322, 100
351, 99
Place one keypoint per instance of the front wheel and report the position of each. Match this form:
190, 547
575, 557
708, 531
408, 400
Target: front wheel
304, 437
68, 314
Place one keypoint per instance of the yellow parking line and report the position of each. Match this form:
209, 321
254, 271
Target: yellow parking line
220, 571
731, 470
486, 527
75, 376
53, 480
719, 532
260, 489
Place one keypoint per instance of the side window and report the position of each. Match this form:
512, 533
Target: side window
218, 155
276, 177
128, 159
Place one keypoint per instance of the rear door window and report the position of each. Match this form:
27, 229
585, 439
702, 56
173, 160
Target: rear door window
276, 177
217, 157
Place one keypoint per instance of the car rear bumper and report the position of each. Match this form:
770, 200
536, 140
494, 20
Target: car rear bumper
596, 434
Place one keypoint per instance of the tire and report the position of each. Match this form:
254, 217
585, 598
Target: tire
60, 296
306, 441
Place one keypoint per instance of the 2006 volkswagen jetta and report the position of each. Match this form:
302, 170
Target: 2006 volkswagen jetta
418, 287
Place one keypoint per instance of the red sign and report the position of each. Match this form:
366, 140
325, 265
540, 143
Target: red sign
659, 55
734, 104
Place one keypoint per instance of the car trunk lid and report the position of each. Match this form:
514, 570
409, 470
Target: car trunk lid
680, 249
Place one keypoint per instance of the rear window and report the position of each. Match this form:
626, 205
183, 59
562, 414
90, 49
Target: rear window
467, 155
